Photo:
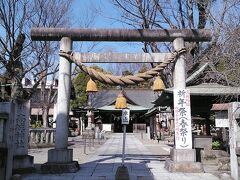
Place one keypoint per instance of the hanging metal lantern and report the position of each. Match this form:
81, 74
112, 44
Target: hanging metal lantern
158, 85
121, 102
91, 86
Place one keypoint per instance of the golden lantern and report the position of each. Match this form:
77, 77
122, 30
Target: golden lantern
158, 85
91, 86
121, 102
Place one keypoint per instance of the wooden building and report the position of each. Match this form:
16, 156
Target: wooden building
207, 87
139, 102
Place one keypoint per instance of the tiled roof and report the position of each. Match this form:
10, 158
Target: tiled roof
196, 73
207, 73
141, 97
131, 107
211, 89
220, 107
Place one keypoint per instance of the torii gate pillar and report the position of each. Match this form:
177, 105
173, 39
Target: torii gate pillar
182, 159
179, 69
60, 159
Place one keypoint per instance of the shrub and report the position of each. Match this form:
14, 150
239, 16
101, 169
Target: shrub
217, 145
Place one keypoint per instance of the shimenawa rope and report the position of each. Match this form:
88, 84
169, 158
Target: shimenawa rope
121, 80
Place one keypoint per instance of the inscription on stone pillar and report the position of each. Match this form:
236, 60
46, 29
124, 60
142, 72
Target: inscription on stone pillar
21, 128
20, 131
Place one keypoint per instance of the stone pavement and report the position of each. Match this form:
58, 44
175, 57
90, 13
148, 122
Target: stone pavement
140, 161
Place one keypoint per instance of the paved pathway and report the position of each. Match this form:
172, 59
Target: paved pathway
140, 161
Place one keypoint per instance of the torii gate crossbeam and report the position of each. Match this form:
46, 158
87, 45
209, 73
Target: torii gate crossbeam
148, 35
110, 57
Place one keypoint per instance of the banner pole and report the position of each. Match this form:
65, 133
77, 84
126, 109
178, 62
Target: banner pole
124, 142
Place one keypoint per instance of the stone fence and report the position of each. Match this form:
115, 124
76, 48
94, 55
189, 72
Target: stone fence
41, 137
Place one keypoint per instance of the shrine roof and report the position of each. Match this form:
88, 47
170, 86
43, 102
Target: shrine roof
130, 106
210, 89
220, 107
207, 73
196, 74
140, 97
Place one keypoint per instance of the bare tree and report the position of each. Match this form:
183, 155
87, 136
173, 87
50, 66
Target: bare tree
13, 15
223, 51
20, 57
165, 14
119, 68
53, 13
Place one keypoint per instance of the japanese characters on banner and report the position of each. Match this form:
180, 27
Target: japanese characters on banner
182, 119
125, 116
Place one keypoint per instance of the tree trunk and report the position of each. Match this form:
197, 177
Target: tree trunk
45, 112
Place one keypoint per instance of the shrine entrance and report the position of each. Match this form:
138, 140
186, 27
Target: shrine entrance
61, 158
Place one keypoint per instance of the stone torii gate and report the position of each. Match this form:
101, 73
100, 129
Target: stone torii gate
60, 159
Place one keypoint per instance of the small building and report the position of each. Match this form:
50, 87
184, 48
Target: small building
139, 102
38, 102
222, 124
202, 97
207, 87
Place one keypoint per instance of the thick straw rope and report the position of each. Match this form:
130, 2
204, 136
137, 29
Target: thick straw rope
121, 80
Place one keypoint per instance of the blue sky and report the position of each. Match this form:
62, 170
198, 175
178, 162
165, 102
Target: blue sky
102, 11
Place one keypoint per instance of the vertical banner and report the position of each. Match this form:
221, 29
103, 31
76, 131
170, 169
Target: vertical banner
182, 119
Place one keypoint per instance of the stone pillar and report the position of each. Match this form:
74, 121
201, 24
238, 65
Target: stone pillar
37, 135
148, 132
52, 137
32, 137
89, 118
97, 131
171, 128
22, 162
179, 69
60, 159
81, 124
151, 127
1, 128
42, 134
8, 138
54, 114
63, 99
233, 114
47, 137
15, 137
181, 160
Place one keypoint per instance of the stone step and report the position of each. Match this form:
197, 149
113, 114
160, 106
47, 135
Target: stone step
214, 169
220, 164
210, 162
210, 168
